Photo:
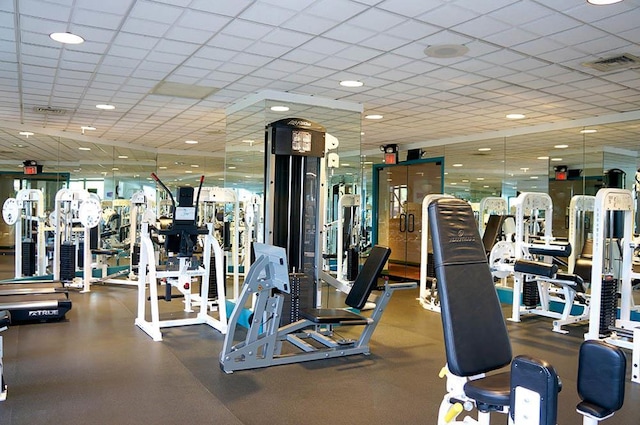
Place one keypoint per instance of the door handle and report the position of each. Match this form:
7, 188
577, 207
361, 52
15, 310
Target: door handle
412, 223
403, 220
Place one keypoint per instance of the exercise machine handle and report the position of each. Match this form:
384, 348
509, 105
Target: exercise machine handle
403, 220
411, 227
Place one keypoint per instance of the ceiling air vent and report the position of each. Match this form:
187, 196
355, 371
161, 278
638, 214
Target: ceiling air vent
616, 63
49, 110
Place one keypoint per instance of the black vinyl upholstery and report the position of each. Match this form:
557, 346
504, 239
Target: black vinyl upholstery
365, 282
5, 318
475, 333
535, 267
601, 378
492, 231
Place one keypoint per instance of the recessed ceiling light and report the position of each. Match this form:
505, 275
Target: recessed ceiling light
66, 38
344, 164
220, 178
105, 106
484, 149
561, 146
231, 167
279, 108
603, 2
123, 157
251, 142
374, 117
456, 165
543, 157
454, 184
588, 131
162, 167
446, 51
194, 166
465, 180
26, 134
533, 177
191, 142
87, 128
115, 169
82, 148
480, 178
515, 116
486, 186
188, 171
351, 83
556, 159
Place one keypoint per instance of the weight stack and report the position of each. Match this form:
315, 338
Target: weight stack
28, 257
213, 285
530, 296
67, 262
608, 305
352, 264
135, 255
300, 296
80, 255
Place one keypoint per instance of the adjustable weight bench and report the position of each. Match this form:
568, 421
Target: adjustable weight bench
310, 338
477, 343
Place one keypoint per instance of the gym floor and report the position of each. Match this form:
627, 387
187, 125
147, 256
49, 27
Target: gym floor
96, 367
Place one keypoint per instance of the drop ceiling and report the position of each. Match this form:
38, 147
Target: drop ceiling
524, 56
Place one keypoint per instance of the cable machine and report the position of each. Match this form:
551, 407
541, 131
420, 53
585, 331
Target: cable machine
213, 202
181, 239
294, 196
488, 206
612, 206
26, 212
76, 211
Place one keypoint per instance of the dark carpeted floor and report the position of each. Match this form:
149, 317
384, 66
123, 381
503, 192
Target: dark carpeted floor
98, 368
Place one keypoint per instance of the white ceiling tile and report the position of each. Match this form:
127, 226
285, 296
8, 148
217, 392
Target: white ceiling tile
285, 37
358, 53
412, 30
42, 9
251, 59
480, 27
511, 37
327, 9
605, 46
309, 25
551, 24
304, 56
409, 8
267, 49
537, 47
325, 46
189, 35
97, 19
208, 22
378, 19
349, 33
448, 16
334, 62
384, 42
157, 12
230, 43
145, 28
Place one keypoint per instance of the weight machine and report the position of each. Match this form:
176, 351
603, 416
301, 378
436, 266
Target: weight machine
477, 342
211, 199
491, 205
181, 238
347, 228
622, 332
253, 227
536, 280
579, 207
26, 212
428, 286
5, 319
76, 211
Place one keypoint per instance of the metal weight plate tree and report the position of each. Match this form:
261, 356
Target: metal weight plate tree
294, 173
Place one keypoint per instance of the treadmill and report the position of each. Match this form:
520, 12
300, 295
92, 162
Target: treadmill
34, 301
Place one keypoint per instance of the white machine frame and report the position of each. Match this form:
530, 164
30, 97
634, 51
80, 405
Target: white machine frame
88, 216
23, 200
490, 205
428, 297
347, 200
220, 195
527, 203
615, 200
578, 205
148, 276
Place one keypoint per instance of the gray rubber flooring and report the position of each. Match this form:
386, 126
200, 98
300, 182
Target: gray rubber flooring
96, 367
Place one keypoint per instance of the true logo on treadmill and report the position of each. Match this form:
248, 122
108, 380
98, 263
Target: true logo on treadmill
38, 313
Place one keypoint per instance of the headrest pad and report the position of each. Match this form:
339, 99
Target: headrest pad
456, 233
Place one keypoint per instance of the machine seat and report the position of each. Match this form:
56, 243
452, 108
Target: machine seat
573, 281
593, 410
104, 251
5, 318
330, 315
365, 282
492, 390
